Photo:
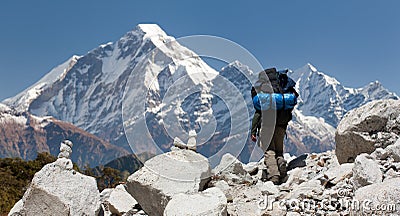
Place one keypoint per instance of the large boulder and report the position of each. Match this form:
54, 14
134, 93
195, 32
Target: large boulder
362, 130
57, 189
384, 195
209, 202
180, 171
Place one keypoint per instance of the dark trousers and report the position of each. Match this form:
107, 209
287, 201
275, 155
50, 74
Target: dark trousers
273, 156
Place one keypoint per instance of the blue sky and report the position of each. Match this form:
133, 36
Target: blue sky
355, 41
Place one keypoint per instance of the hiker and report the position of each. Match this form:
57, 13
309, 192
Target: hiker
274, 97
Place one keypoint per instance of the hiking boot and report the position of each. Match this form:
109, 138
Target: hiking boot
275, 180
264, 175
272, 167
283, 179
282, 168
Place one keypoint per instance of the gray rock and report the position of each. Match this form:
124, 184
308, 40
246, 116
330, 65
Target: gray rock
366, 171
393, 151
16, 210
386, 193
65, 149
293, 214
165, 175
251, 168
391, 174
307, 189
120, 201
231, 170
224, 187
209, 202
336, 174
379, 154
294, 179
267, 188
247, 201
364, 129
58, 190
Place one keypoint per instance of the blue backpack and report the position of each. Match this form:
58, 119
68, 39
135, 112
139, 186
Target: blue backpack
282, 95
275, 101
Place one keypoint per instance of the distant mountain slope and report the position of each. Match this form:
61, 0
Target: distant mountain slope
24, 135
322, 104
323, 96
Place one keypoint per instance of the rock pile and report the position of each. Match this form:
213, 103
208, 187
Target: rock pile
181, 182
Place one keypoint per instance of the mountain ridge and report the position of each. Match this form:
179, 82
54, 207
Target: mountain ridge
92, 91
24, 135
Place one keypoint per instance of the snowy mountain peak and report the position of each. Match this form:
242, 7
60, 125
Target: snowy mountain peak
151, 29
324, 96
240, 66
311, 67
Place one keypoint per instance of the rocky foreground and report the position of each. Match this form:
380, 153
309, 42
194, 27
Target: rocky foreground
181, 182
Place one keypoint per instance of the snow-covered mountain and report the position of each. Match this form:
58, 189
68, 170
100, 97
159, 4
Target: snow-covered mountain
158, 90
322, 104
25, 135
324, 96
89, 91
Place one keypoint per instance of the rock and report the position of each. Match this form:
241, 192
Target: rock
251, 168
192, 140
267, 188
391, 174
119, 201
224, 187
306, 190
379, 154
276, 210
17, 209
242, 208
247, 201
294, 178
393, 151
104, 195
384, 194
209, 202
366, 171
165, 175
231, 170
58, 190
178, 143
336, 174
65, 149
362, 130
300, 161
293, 214
288, 157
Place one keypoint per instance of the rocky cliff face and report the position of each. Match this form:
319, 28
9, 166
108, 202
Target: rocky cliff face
24, 135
